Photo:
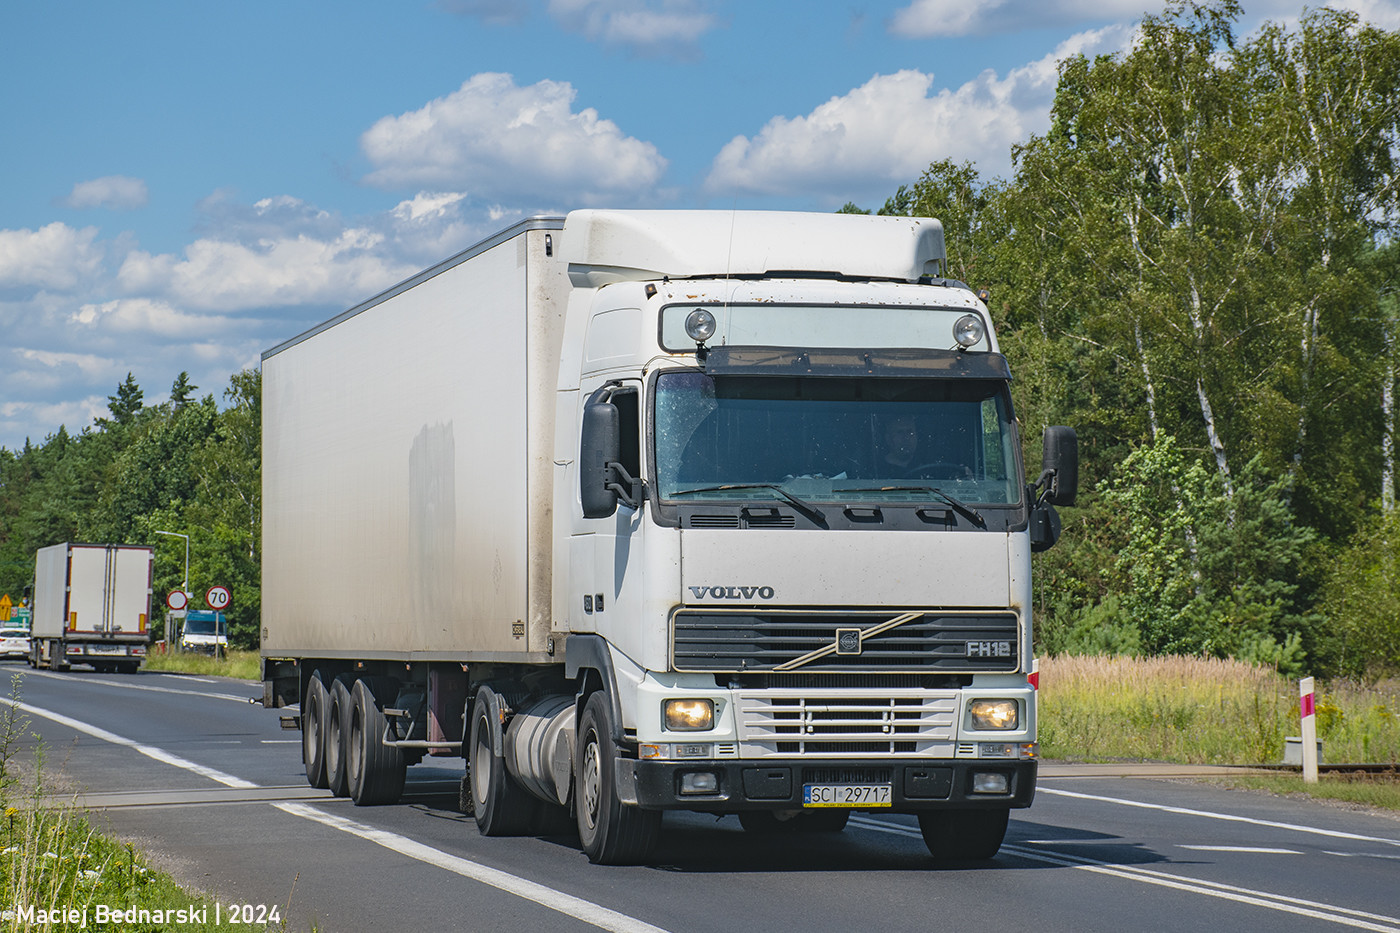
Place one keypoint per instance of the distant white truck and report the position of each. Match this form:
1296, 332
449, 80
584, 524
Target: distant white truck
92, 605
641, 511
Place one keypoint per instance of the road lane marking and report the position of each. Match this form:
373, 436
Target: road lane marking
149, 687
1379, 923
1228, 817
149, 751
587, 911
1257, 850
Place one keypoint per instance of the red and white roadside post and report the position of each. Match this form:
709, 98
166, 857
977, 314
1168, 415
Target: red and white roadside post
1307, 707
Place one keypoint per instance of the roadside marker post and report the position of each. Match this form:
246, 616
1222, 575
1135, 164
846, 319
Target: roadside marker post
1307, 707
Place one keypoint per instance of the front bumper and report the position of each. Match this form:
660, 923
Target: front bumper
917, 784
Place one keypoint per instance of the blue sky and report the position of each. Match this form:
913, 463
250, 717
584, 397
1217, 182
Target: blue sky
184, 185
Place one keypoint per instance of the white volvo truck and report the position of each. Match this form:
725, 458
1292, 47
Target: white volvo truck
641, 511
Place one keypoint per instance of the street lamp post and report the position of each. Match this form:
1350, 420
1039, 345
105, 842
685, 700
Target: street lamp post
185, 586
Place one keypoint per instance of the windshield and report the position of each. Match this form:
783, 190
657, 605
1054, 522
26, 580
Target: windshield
198, 626
834, 439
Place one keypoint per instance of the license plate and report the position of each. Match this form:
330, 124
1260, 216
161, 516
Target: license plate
106, 651
847, 795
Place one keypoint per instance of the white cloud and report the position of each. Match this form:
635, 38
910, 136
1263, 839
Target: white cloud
117, 192
426, 206
147, 316
224, 275
891, 128
648, 28
498, 140
55, 256
88, 363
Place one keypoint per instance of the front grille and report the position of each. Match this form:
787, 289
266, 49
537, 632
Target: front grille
778, 723
756, 641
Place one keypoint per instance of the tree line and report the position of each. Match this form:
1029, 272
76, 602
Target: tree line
1195, 267
183, 466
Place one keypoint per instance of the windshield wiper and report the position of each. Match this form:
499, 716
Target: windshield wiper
811, 511
963, 508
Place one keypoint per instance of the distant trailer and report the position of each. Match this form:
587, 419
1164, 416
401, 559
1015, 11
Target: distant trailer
92, 605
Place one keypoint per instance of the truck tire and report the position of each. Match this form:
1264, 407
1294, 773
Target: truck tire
314, 709
375, 772
963, 834
773, 822
337, 730
500, 805
612, 832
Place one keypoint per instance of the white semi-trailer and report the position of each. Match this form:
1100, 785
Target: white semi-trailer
92, 605
641, 511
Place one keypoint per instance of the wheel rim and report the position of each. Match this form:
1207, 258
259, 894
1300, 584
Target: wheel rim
481, 766
591, 780
356, 756
311, 727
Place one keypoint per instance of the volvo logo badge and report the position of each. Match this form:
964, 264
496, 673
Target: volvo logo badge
848, 641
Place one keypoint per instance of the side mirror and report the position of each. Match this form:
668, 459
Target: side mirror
1045, 528
600, 444
1061, 462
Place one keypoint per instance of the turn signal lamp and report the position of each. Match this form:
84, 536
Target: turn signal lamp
688, 715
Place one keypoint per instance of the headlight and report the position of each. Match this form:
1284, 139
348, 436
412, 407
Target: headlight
688, 715
994, 715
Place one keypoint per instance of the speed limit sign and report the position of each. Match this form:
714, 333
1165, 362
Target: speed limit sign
218, 597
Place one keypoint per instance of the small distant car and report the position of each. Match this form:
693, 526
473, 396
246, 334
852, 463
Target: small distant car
14, 639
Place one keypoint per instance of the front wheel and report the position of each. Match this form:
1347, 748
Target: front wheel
612, 832
963, 834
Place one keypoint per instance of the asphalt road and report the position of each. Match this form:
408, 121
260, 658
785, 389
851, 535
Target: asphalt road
211, 788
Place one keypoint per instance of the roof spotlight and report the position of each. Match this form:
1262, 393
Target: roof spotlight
969, 330
700, 325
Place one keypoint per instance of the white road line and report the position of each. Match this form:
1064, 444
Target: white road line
1379, 923
576, 907
281, 741
147, 750
1229, 817
1257, 850
149, 687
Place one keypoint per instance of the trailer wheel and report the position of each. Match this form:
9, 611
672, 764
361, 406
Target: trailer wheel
375, 772
500, 805
612, 832
337, 730
963, 834
794, 821
314, 709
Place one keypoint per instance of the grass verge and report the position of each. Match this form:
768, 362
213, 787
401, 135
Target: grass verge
1191, 710
243, 665
58, 873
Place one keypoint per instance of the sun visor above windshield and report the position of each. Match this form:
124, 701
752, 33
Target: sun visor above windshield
902, 362
602, 247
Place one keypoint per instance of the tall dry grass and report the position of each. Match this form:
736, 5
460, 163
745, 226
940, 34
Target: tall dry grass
1203, 711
